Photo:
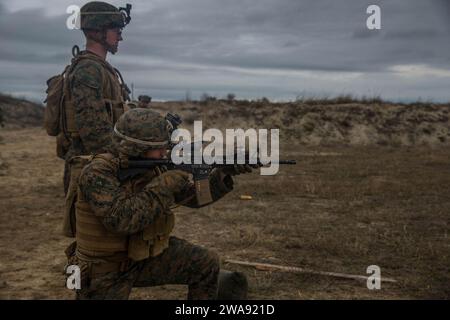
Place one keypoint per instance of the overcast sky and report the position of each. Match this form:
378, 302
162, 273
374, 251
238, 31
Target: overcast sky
279, 49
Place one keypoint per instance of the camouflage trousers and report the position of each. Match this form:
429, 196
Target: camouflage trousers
180, 263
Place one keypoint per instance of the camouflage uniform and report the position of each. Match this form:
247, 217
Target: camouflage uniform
96, 91
125, 211
95, 97
180, 263
98, 98
130, 213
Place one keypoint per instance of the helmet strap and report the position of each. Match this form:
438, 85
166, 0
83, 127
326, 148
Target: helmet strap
108, 47
100, 37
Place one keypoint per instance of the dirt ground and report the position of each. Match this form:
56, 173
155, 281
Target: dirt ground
339, 209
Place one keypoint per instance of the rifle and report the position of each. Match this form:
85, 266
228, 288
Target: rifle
200, 172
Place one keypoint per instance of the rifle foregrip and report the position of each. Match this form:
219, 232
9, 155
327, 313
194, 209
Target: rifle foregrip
202, 191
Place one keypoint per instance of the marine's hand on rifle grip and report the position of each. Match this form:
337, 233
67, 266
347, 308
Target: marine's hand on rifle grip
175, 180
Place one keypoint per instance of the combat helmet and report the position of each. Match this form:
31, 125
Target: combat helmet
145, 98
139, 130
98, 15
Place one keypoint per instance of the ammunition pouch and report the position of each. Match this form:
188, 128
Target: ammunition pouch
93, 238
96, 242
153, 240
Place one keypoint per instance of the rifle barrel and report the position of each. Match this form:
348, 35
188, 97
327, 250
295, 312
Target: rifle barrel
148, 163
166, 162
287, 162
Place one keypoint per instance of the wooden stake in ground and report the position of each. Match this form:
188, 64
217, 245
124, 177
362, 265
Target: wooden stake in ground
274, 267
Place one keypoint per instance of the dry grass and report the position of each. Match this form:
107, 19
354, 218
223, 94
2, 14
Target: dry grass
340, 99
339, 209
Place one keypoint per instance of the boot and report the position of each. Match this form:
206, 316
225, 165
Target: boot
232, 285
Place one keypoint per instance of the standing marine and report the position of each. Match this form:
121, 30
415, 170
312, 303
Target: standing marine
90, 96
144, 101
124, 226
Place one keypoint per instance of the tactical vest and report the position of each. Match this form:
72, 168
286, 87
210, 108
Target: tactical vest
115, 93
94, 240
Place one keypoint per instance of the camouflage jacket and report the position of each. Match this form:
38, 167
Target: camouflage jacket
128, 207
97, 95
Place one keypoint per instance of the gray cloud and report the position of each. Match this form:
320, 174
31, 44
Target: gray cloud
251, 47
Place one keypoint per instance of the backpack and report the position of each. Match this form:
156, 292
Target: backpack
55, 114
54, 103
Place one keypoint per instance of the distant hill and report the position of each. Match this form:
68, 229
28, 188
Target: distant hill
311, 122
20, 113
326, 121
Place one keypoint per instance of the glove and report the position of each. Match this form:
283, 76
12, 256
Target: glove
175, 181
169, 186
236, 169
